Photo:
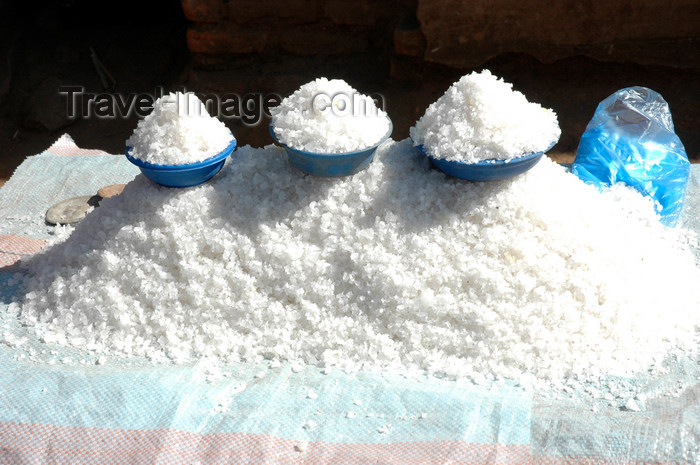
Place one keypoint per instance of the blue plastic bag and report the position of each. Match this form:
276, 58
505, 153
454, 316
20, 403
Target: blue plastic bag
631, 139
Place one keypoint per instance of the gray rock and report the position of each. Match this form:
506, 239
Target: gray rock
71, 210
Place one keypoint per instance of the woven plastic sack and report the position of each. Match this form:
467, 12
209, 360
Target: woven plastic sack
631, 140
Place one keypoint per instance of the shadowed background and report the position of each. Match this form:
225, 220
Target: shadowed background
568, 56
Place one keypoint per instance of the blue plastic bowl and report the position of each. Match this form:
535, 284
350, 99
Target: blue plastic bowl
331, 164
191, 174
486, 170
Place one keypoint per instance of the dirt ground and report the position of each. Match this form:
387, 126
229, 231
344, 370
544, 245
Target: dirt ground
46, 45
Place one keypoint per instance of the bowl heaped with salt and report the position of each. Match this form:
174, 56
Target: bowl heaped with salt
483, 130
329, 129
179, 144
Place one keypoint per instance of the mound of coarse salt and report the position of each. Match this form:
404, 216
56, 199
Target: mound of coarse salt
481, 117
178, 131
329, 116
396, 267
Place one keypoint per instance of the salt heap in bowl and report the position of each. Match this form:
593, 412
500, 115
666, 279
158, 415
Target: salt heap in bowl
481, 117
178, 131
329, 116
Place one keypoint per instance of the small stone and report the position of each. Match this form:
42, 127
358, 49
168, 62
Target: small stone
312, 394
111, 190
71, 210
350, 414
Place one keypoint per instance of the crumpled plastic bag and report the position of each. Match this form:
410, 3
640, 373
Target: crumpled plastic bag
631, 139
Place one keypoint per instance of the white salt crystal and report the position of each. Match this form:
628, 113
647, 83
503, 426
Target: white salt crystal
632, 405
179, 130
238, 388
301, 446
310, 425
297, 367
481, 117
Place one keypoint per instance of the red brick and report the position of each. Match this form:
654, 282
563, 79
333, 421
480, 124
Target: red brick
358, 12
245, 11
409, 43
225, 38
322, 41
465, 34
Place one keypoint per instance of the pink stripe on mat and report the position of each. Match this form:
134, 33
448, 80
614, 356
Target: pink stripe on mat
13, 247
67, 147
32, 443
545, 460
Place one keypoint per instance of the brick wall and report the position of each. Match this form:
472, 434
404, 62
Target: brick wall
467, 33
456, 33
224, 28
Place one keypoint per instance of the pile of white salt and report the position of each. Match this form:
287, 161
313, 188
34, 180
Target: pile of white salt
482, 117
329, 116
397, 267
178, 131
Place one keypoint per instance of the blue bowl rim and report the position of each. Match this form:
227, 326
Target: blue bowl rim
187, 166
337, 154
489, 161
